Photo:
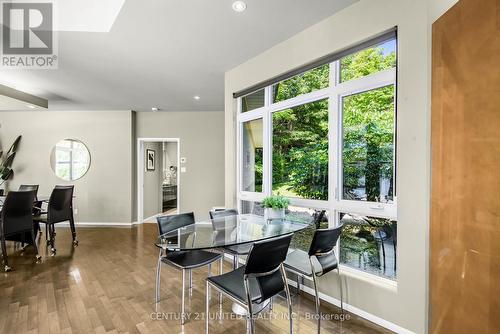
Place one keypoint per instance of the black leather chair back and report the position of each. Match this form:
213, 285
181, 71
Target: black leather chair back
60, 207
28, 187
173, 222
322, 246
32, 187
265, 257
17, 212
223, 213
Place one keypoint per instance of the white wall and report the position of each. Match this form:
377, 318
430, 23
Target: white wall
104, 194
406, 304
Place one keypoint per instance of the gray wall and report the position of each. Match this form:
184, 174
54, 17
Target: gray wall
202, 144
104, 194
152, 181
170, 155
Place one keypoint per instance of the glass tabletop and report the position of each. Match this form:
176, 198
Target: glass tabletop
227, 231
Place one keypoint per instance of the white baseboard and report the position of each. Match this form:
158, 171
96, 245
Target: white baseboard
96, 224
329, 299
363, 314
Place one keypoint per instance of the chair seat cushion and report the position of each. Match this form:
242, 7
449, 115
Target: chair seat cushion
239, 249
232, 283
298, 261
190, 259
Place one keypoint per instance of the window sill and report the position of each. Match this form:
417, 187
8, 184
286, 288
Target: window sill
369, 278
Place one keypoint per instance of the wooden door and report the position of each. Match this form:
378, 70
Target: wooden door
465, 204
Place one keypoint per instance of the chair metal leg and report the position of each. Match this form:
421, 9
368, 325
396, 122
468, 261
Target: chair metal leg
221, 265
52, 231
235, 263
190, 282
288, 297
183, 294
237, 259
341, 292
207, 307
298, 284
73, 230
316, 296
37, 254
6, 267
158, 277
249, 306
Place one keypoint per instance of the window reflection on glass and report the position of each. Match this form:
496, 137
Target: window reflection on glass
252, 164
252, 101
70, 159
368, 145
249, 207
368, 61
319, 219
300, 151
369, 244
315, 79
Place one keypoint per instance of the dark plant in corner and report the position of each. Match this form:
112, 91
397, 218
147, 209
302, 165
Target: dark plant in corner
6, 171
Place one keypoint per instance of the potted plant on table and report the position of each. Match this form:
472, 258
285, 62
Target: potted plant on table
275, 206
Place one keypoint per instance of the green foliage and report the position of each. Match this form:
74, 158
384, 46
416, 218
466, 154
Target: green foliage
304, 83
300, 134
300, 150
368, 120
365, 62
6, 171
276, 202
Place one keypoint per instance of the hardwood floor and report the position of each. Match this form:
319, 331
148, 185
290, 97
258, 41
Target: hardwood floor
106, 285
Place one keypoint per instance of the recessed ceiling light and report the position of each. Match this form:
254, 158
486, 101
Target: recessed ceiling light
196, 97
239, 6
30, 106
155, 109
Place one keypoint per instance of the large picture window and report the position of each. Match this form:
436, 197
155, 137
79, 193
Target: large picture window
326, 139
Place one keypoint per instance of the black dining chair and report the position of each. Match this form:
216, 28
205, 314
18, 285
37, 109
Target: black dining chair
219, 228
59, 209
183, 260
16, 222
37, 206
260, 279
320, 260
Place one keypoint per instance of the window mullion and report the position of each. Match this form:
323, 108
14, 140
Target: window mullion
334, 133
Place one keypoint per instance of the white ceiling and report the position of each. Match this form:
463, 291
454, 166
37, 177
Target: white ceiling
161, 52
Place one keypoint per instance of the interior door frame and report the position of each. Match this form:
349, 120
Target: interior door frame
140, 173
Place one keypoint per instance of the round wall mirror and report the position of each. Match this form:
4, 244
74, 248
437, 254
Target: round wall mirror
70, 159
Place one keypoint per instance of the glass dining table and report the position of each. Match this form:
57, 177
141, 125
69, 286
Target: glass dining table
228, 231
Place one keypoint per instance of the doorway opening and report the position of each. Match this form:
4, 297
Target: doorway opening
158, 178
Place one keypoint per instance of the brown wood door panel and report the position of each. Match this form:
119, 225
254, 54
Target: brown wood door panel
465, 199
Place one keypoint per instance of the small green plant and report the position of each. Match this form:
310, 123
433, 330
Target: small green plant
275, 202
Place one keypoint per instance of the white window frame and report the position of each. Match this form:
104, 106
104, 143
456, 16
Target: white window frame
335, 204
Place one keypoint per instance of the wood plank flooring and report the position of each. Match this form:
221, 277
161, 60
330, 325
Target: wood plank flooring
106, 285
